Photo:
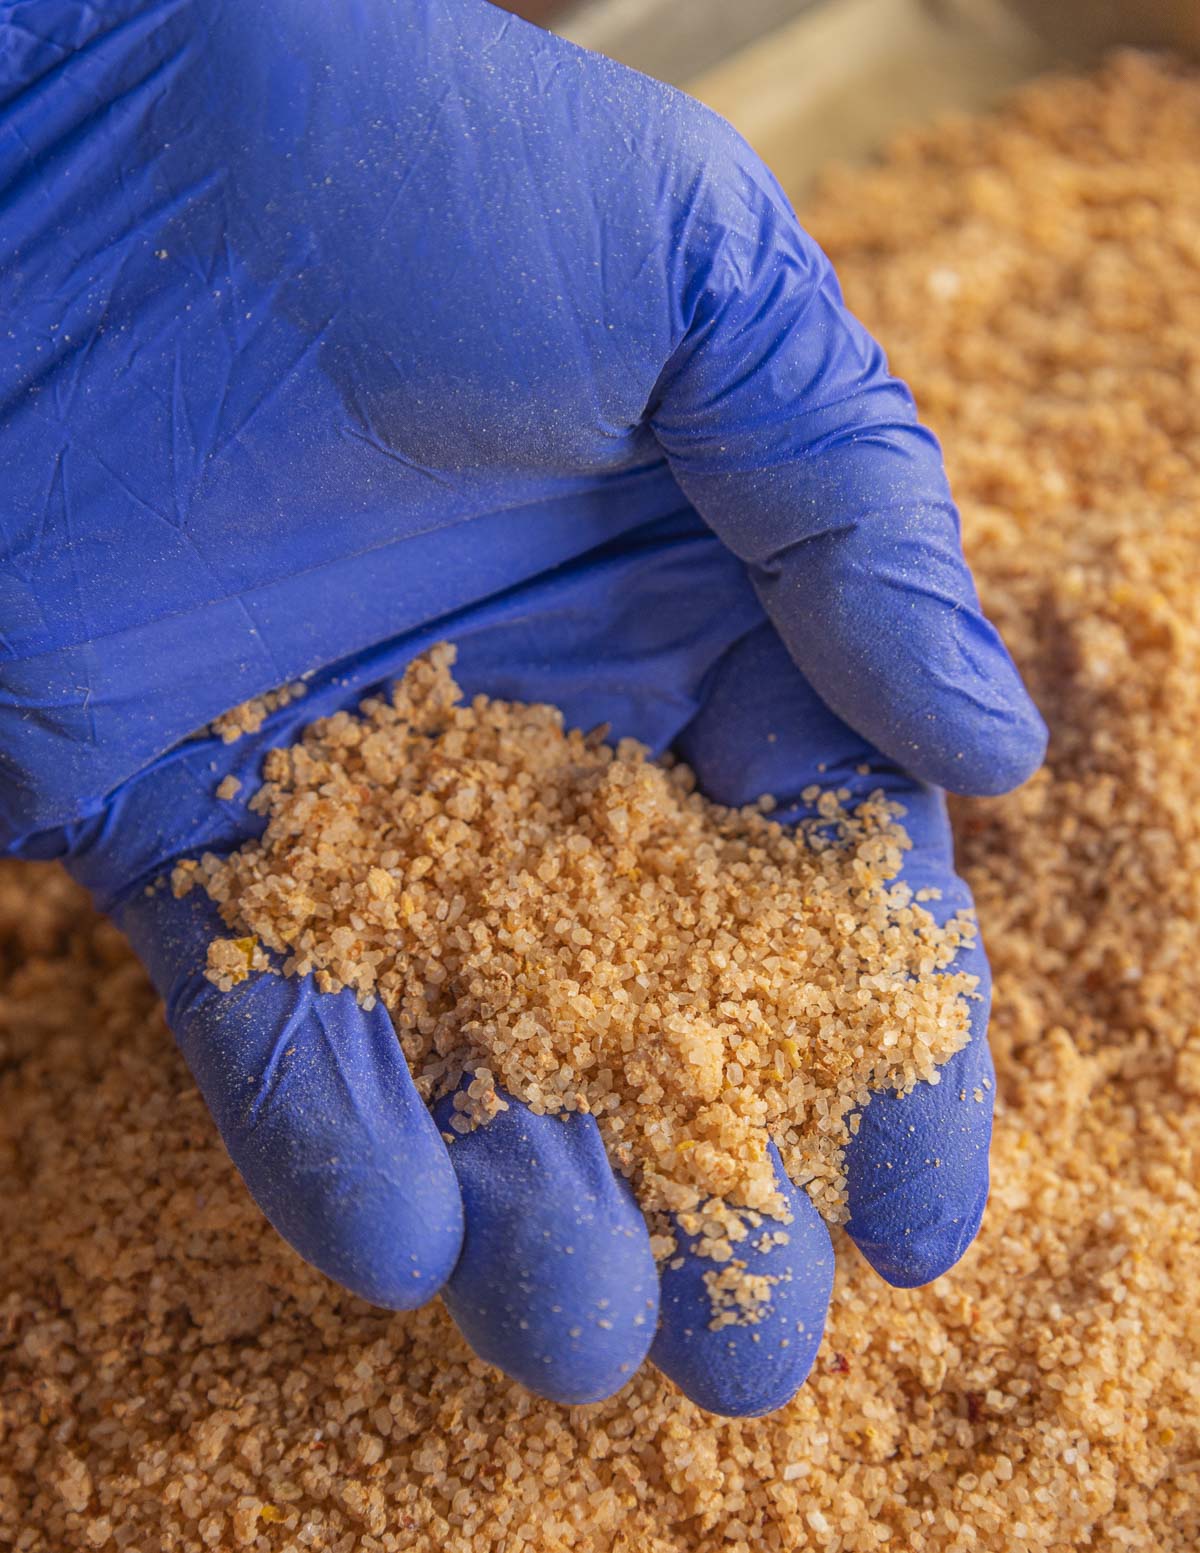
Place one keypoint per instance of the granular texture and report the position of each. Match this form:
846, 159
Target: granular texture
537, 908
172, 1377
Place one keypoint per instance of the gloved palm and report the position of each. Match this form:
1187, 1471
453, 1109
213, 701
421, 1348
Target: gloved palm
341, 333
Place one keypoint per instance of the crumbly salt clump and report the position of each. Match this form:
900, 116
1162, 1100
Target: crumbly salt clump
739, 1297
232, 960
576, 924
249, 716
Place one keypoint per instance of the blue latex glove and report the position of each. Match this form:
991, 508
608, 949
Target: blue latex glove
335, 331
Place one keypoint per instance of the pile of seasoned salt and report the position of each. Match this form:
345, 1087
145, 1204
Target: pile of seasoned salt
573, 924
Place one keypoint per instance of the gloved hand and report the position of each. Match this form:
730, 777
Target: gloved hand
335, 331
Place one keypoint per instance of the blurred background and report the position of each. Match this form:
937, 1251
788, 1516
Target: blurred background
807, 81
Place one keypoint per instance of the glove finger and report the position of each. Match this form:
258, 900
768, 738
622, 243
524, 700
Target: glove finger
917, 1171
315, 1104
556, 1284
744, 1368
784, 427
